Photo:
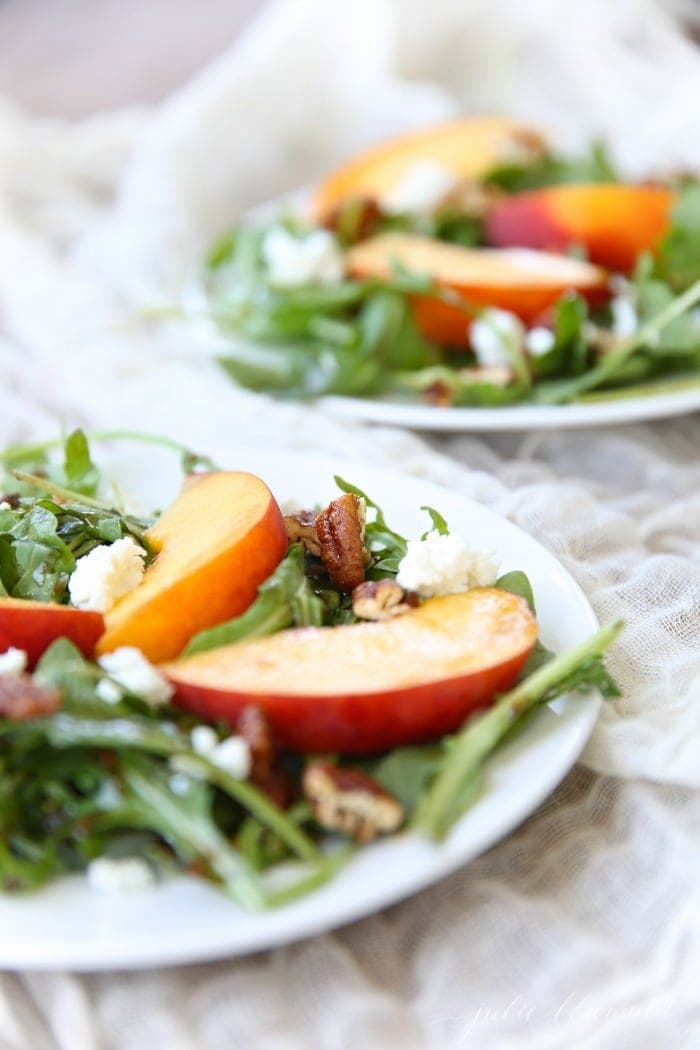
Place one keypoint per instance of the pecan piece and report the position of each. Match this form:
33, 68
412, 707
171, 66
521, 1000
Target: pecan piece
350, 801
381, 599
341, 533
21, 699
12, 499
301, 528
265, 771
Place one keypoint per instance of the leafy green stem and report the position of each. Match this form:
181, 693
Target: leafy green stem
477, 740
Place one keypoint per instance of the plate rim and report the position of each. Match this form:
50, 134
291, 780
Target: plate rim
447, 858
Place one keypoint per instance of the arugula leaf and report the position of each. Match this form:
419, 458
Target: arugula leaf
679, 253
569, 354
517, 582
438, 522
552, 169
79, 472
285, 599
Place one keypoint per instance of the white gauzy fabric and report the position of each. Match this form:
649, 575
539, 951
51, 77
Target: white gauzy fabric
583, 929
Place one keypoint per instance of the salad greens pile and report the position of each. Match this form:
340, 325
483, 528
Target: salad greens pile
92, 778
358, 337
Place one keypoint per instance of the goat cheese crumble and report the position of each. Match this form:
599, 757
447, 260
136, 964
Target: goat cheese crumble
625, 320
129, 668
495, 337
421, 190
4, 505
539, 341
231, 755
106, 574
314, 258
445, 565
120, 875
13, 661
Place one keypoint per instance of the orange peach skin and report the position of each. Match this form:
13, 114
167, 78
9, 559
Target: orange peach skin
469, 148
523, 281
614, 223
367, 687
216, 543
33, 626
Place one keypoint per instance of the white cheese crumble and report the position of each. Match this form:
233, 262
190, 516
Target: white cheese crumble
120, 875
539, 341
625, 320
109, 691
315, 258
4, 505
445, 565
13, 661
130, 669
106, 574
495, 337
232, 754
203, 740
421, 190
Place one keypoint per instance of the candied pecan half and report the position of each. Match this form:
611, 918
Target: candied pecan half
21, 699
341, 534
350, 801
381, 599
301, 528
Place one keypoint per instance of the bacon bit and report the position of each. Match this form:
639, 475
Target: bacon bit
21, 699
341, 532
350, 801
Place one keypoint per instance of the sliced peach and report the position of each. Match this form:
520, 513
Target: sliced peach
33, 626
614, 223
469, 148
370, 686
216, 543
524, 281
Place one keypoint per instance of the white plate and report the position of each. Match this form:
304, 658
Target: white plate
515, 417
67, 926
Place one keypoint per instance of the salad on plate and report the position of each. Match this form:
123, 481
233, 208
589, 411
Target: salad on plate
468, 264
239, 691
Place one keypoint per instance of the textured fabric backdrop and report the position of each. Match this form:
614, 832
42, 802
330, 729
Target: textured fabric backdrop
583, 928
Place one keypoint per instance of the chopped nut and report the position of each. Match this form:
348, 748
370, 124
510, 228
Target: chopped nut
495, 375
353, 220
438, 394
301, 528
265, 772
350, 801
12, 499
471, 197
341, 531
254, 727
381, 599
21, 699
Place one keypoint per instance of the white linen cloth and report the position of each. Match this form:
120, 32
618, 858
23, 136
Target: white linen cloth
582, 929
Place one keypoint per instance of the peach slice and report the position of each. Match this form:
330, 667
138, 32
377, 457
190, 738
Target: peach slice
614, 223
469, 148
216, 543
521, 280
370, 686
33, 626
